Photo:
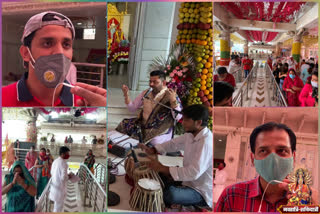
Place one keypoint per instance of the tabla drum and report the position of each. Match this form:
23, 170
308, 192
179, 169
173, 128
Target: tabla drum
145, 172
129, 167
147, 196
129, 163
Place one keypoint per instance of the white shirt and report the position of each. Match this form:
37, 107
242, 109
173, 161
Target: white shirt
59, 177
84, 141
197, 162
233, 67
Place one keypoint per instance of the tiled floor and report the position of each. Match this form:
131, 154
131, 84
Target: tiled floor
73, 201
259, 95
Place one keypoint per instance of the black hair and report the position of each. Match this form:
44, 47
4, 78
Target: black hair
33, 147
315, 73
28, 40
311, 66
270, 127
222, 70
286, 65
197, 112
221, 90
63, 150
43, 149
159, 73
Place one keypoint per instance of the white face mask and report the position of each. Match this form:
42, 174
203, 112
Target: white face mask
314, 84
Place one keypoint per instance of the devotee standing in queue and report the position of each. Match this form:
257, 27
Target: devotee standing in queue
224, 76
309, 93
89, 160
292, 86
43, 173
30, 160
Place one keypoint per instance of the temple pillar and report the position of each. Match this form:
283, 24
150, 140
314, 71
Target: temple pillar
297, 40
246, 47
225, 42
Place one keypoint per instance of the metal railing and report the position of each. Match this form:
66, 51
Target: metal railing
33, 172
94, 193
99, 150
100, 173
243, 92
276, 93
96, 77
44, 203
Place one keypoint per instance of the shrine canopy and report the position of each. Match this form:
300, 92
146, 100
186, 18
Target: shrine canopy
262, 22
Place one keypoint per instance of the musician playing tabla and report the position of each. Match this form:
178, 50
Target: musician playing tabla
154, 121
196, 173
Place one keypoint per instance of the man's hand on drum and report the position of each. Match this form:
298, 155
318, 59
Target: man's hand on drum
157, 166
147, 149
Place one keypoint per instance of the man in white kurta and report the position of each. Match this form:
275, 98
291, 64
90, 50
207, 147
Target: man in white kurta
196, 173
219, 182
59, 177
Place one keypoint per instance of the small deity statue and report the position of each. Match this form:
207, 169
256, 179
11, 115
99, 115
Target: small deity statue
299, 190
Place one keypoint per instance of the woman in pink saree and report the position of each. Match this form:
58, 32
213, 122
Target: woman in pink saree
30, 160
292, 85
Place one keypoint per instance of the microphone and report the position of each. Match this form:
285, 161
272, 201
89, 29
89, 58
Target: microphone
145, 96
135, 159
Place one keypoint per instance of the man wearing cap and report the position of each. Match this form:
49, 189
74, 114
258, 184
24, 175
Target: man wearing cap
47, 52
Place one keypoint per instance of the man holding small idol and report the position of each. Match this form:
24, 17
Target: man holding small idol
155, 121
196, 173
273, 152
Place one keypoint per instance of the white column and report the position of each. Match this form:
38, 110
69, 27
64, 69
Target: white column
156, 37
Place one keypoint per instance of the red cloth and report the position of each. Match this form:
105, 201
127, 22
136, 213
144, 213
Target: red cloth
305, 97
245, 197
246, 63
10, 98
270, 63
229, 79
292, 98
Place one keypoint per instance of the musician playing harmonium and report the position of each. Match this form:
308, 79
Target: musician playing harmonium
196, 173
155, 121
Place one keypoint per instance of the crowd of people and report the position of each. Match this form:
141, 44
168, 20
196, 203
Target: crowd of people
239, 68
26, 181
298, 83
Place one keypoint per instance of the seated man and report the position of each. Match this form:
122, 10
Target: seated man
196, 173
154, 121
47, 52
224, 76
273, 151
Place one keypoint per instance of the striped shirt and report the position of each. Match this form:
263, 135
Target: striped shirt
246, 197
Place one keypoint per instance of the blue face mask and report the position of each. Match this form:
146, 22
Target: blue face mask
292, 76
274, 167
